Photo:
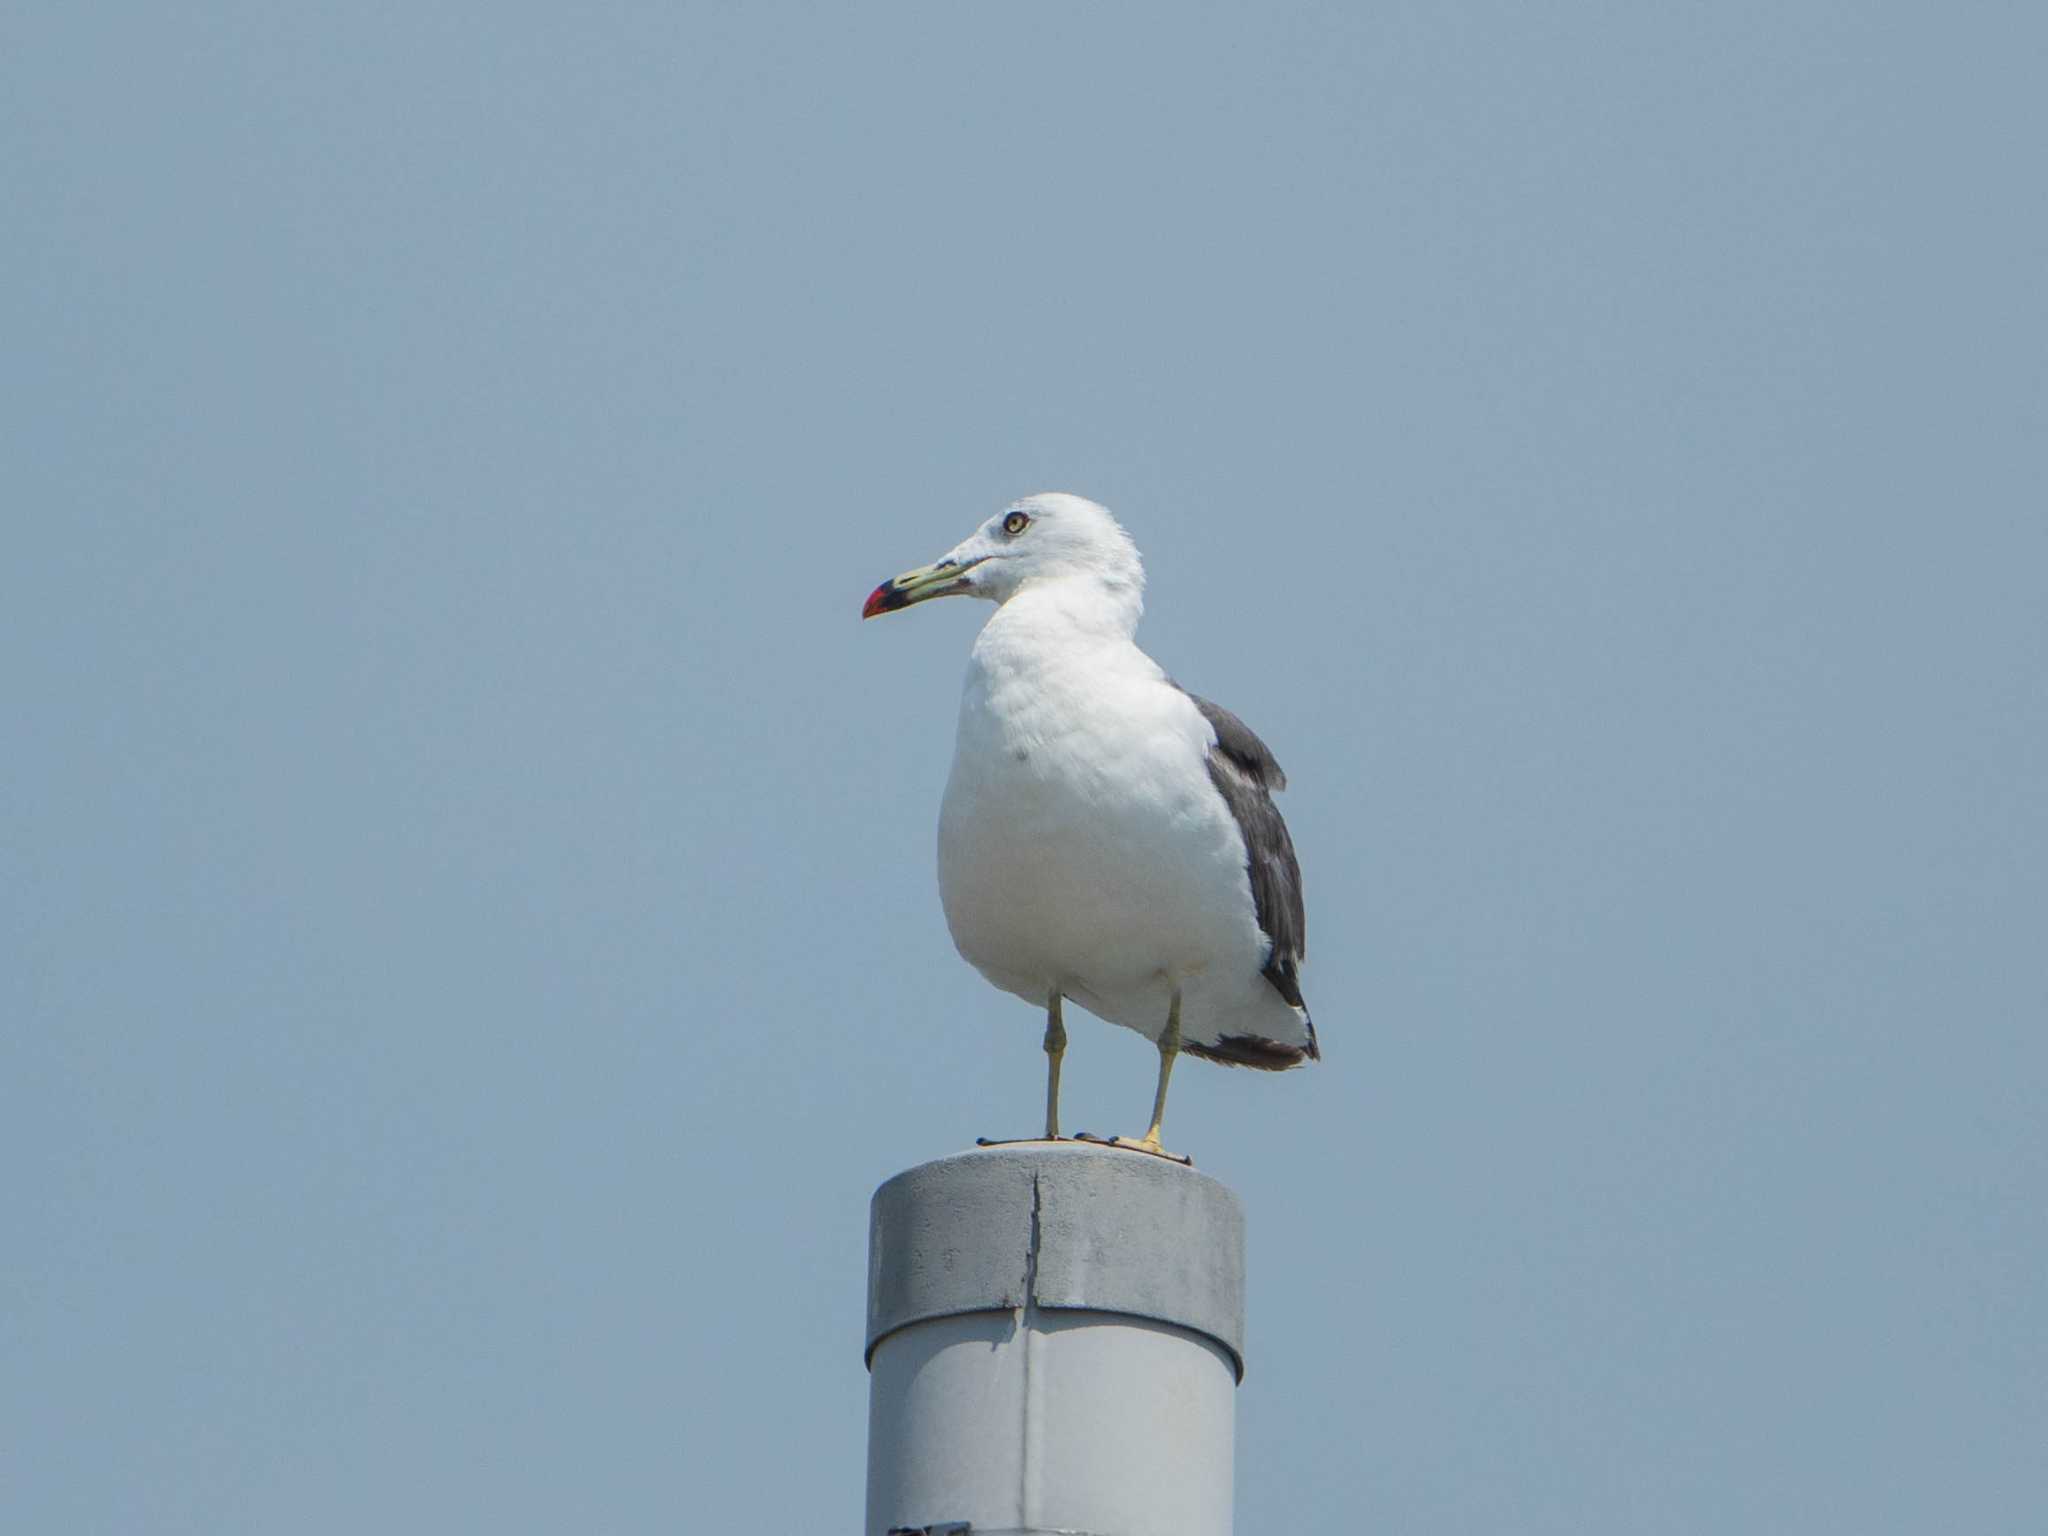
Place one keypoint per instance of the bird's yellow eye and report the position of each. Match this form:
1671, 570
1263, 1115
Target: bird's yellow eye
1015, 524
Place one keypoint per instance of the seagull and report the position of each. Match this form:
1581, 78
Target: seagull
1107, 837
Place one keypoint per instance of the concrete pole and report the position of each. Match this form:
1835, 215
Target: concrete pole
1055, 1337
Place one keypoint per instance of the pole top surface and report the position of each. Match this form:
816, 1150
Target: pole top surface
1057, 1225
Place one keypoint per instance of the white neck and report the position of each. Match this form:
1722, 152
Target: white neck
1089, 606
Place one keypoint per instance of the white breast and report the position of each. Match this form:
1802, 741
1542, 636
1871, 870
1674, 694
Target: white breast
1082, 846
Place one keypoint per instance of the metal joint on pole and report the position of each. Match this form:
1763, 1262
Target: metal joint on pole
1055, 1336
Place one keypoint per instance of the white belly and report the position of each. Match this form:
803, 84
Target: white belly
1083, 850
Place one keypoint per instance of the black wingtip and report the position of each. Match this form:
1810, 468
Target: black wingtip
1256, 1051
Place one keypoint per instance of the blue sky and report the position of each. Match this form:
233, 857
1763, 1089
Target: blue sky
469, 943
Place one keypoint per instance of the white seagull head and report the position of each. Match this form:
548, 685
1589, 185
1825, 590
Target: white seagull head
1050, 538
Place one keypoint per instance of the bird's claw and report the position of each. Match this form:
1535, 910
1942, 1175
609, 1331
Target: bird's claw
1146, 1144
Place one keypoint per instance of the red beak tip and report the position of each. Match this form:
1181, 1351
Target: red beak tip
874, 604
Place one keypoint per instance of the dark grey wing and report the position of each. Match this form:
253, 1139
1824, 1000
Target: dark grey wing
1245, 774
1235, 740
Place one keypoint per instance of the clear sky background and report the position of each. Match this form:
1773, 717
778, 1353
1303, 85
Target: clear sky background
469, 943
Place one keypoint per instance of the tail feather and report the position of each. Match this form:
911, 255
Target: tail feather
1258, 1051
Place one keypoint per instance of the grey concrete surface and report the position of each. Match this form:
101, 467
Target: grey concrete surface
1066, 1225
1055, 1338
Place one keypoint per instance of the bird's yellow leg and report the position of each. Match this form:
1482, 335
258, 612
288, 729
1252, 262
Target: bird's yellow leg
1055, 1048
1169, 1047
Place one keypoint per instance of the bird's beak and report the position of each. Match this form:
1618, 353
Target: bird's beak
940, 580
